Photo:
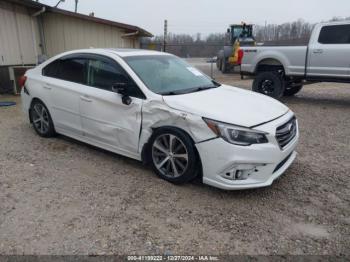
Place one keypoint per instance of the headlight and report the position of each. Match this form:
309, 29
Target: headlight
235, 134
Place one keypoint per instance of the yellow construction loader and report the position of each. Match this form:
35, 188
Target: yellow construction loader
231, 55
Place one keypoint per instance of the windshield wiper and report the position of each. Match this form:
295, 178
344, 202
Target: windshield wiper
216, 83
186, 91
170, 93
199, 88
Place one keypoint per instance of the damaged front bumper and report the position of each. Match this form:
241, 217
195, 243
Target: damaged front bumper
233, 167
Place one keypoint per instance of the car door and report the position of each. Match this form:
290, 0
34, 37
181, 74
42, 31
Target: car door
105, 118
329, 54
65, 81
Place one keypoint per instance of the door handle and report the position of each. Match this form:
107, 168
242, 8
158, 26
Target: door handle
48, 87
318, 51
86, 99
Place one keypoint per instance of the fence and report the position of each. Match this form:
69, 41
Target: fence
210, 49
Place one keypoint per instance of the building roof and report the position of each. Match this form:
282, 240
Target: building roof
130, 28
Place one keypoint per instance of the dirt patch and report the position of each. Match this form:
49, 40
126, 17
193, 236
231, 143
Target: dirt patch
310, 230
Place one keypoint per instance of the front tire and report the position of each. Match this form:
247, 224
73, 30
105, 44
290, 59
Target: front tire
41, 119
218, 64
270, 84
223, 65
173, 155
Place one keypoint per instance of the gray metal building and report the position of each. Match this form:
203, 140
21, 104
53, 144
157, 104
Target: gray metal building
31, 31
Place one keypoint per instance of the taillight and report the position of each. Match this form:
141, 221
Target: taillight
240, 56
22, 81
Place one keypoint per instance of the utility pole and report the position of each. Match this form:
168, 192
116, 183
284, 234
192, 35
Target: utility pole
165, 34
76, 6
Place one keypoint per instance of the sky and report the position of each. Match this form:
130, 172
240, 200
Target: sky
207, 16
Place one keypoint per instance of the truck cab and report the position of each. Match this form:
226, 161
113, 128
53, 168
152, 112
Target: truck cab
329, 51
283, 70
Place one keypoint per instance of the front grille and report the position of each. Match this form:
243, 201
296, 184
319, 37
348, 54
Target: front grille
286, 132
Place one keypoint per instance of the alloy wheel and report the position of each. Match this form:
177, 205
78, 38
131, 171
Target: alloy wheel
169, 155
40, 118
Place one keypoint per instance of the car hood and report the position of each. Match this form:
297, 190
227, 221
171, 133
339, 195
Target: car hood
230, 105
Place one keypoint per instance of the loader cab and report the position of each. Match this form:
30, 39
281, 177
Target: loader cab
243, 33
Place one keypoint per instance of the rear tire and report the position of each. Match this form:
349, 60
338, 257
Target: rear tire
218, 64
173, 155
270, 84
223, 66
41, 119
292, 89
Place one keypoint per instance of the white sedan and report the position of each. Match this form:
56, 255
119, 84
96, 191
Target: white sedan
156, 108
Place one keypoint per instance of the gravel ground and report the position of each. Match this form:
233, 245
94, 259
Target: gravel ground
59, 196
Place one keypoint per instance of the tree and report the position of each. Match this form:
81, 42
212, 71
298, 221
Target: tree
294, 33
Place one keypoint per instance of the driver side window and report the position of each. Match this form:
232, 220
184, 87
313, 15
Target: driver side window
103, 74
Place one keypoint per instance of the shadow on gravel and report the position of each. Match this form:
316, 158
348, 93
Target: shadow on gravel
195, 185
116, 156
277, 189
293, 180
237, 194
317, 101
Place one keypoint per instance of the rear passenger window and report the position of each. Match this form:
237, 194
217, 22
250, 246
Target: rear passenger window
73, 70
335, 34
70, 69
51, 69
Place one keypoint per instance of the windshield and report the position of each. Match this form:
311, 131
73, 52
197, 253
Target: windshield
169, 75
237, 31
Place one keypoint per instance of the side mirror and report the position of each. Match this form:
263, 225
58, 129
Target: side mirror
121, 88
228, 30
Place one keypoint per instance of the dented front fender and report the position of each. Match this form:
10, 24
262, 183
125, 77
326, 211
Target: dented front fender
156, 114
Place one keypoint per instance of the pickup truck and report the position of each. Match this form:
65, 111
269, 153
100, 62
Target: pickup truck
283, 70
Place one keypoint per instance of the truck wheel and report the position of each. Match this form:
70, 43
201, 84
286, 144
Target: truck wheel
292, 89
218, 64
223, 66
270, 84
